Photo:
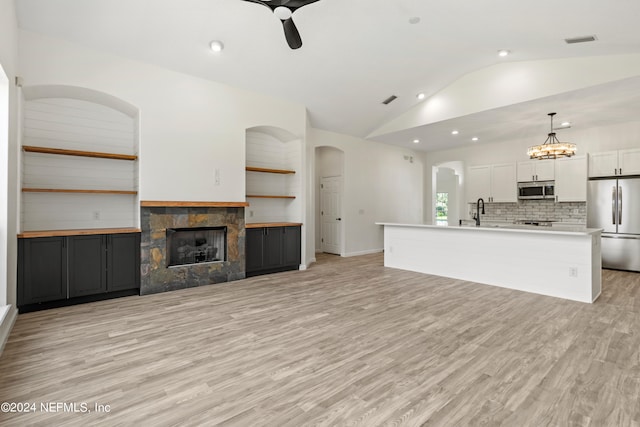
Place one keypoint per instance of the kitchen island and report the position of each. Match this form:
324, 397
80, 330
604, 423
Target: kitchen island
563, 262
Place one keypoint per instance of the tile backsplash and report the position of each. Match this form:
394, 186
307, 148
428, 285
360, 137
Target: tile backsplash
533, 209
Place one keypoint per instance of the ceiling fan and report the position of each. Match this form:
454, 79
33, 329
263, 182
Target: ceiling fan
283, 9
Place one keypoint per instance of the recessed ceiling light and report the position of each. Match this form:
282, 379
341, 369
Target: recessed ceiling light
504, 52
454, 132
414, 20
216, 46
416, 141
475, 138
421, 96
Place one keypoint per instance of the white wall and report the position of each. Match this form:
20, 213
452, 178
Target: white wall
9, 179
588, 140
380, 184
188, 126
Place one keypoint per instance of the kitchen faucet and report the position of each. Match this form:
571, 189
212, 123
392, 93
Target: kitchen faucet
477, 215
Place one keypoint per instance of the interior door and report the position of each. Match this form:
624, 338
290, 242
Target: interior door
629, 206
331, 214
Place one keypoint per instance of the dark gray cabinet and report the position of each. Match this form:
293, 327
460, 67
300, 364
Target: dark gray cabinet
272, 249
42, 270
291, 246
123, 261
87, 261
254, 249
54, 269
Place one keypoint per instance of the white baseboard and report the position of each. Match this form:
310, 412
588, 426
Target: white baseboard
367, 252
8, 316
308, 264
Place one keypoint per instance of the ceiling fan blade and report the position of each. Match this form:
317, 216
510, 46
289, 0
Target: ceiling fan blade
291, 34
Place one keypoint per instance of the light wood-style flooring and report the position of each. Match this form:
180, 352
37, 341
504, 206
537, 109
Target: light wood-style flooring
346, 343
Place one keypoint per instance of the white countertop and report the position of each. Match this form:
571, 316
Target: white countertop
511, 228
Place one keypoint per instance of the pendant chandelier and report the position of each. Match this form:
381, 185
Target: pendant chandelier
552, 148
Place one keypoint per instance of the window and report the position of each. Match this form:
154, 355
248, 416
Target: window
442, 202
4, 177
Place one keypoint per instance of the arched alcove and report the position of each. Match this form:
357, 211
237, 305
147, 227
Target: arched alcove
329, 176
448, 178
79, 159
79, 93
274, 190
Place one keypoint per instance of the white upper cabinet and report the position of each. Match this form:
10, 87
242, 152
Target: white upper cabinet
503, 183
615, 163
629, 161
571, 179
536, 170
479, 183
493, 183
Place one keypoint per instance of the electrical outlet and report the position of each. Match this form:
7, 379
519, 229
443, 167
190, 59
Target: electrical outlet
217, 176
250, 214
573, 272
96, 215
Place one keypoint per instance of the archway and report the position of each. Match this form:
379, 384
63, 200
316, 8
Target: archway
329, 180
447, 193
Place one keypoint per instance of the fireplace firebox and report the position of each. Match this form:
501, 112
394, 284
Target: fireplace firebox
196, 245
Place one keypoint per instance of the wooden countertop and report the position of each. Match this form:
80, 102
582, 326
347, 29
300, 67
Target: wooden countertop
186, 204
76, 232
272, 224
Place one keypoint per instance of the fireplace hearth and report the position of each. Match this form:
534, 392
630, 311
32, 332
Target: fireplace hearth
196, 245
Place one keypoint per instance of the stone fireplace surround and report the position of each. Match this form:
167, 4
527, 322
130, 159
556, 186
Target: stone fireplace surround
156, 217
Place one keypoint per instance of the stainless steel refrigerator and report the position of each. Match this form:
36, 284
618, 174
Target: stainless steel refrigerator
613, 204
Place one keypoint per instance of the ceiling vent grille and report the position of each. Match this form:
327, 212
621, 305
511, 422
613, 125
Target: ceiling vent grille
583, 39
389, 100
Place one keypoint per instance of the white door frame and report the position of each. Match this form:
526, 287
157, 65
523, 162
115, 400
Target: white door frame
331, 240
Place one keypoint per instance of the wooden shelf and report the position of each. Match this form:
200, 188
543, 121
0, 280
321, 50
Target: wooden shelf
270, 197
76, 232
63, 152
71, 190
267, 170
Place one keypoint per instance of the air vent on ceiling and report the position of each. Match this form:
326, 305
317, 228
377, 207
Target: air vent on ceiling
583, 39
389, 100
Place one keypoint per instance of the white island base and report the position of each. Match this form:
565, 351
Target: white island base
563, 263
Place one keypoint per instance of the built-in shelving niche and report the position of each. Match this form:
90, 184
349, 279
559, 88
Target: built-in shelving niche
273, 180
79, 160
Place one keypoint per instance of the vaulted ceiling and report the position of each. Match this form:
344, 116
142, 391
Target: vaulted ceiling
355, 53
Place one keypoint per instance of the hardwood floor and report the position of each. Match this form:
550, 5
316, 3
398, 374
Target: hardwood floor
347, 342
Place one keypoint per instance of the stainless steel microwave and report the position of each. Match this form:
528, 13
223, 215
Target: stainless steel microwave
536, 190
